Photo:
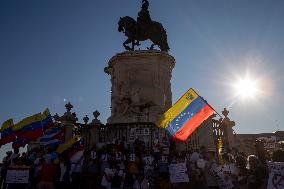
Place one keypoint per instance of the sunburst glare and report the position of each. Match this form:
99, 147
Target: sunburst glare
246, 88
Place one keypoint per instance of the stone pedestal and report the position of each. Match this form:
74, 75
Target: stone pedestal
141, 88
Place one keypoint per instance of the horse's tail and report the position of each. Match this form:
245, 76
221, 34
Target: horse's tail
163, 39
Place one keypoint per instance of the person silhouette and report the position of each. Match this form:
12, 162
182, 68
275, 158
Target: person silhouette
144, 18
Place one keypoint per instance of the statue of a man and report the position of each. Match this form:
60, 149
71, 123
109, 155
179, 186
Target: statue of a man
144, 18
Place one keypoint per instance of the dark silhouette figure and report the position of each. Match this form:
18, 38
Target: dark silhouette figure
143, 29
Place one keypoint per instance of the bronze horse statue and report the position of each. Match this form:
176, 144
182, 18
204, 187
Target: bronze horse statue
137, 32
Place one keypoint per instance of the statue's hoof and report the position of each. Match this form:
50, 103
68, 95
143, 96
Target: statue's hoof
128, 48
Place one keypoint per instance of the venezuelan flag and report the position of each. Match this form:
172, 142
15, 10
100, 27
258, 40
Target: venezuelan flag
185, 116
20, 142
68, 144
6, 131
31, 128
46, 120
52, 137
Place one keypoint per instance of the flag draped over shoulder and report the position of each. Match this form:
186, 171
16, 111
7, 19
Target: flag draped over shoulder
6, 131
185, 116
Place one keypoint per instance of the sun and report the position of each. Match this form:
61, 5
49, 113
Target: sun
246, 88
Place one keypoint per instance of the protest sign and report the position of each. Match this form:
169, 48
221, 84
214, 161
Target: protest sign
223, 181
17, 175
276, 175
178, 173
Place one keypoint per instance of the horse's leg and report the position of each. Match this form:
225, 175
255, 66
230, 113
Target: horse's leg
151, 47
127, 42
133, 44
137, 43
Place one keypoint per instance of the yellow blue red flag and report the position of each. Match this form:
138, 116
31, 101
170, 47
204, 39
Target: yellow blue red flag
6, 131
185, 116
31, 128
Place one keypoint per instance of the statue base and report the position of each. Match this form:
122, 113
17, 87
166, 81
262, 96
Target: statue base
141, 88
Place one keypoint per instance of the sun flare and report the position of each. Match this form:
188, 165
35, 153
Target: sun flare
246, 88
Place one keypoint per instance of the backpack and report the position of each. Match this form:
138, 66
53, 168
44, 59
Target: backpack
115, 181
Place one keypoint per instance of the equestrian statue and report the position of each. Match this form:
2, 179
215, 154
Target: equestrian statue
143, 29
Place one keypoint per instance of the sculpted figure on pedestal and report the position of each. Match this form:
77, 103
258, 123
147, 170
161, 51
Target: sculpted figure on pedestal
142, 30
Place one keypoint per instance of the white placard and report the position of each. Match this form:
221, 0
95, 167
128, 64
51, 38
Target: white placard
178, 173
178, 178
177, 168
276, 175
17, 176
223, 181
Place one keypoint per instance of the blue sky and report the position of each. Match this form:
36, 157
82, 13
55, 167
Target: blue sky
53, 50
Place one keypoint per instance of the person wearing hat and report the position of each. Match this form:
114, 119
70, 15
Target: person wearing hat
210, 169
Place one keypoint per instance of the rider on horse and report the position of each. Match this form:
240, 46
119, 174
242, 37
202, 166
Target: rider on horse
144, 20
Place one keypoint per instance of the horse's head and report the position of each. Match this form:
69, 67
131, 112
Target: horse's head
126, 23
121, 24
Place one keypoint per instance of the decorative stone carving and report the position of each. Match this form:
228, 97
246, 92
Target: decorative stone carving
68, 119
141, 88
226, 126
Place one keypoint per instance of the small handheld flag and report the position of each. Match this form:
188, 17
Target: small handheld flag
185, 116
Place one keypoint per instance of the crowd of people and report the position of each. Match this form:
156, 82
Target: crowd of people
118, 165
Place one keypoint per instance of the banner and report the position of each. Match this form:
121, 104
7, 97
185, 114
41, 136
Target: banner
18, 175
276, 175
178, 173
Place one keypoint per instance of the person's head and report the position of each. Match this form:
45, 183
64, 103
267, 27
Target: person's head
16, 150
145, 4
225, 158
9, 153
240, 161
203, 150
252, 162
210, 155
278, 156
234, 151
259, 147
